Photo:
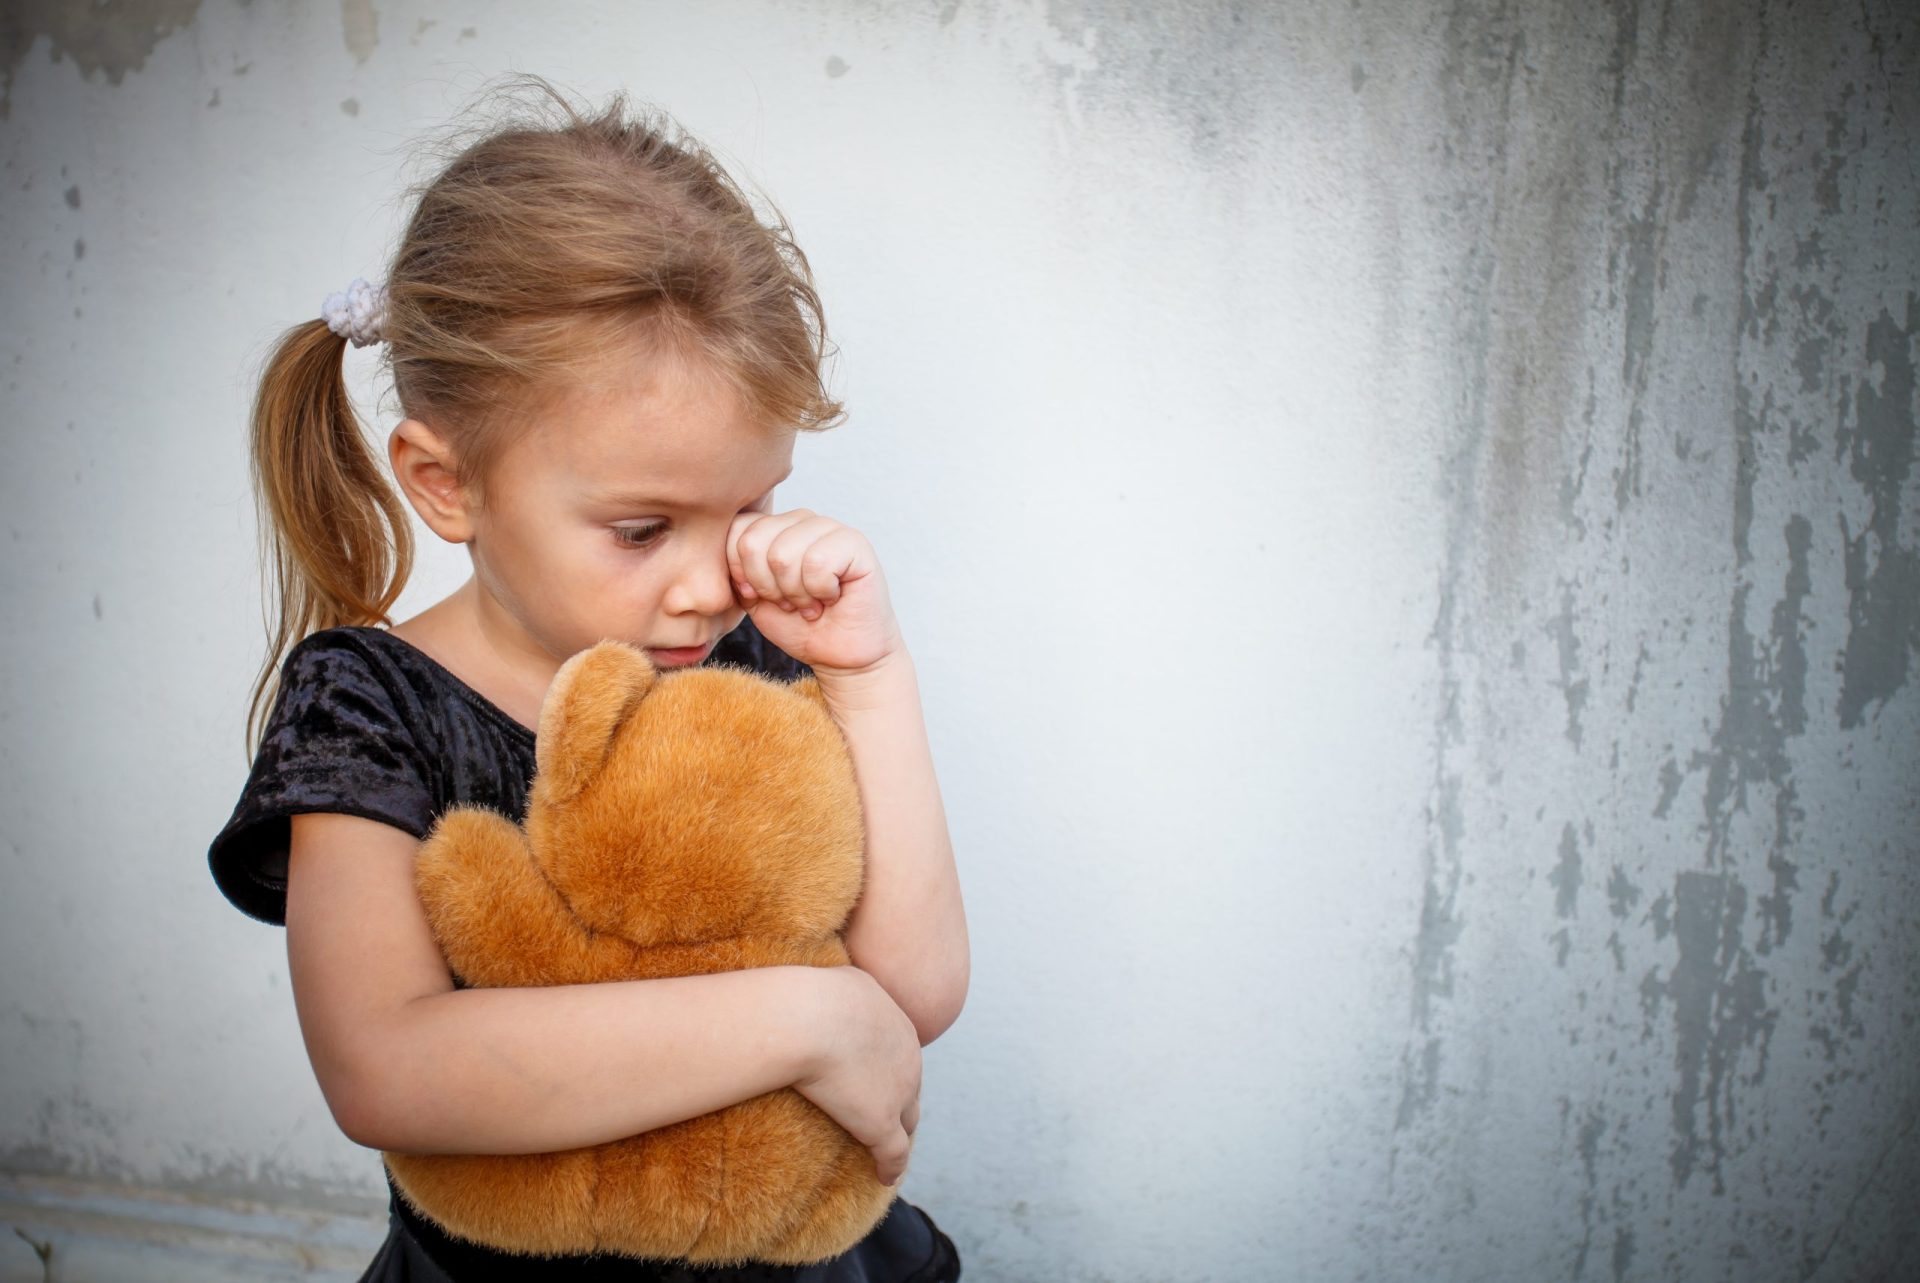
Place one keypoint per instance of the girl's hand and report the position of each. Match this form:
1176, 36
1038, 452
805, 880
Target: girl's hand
814, 589
866, 1073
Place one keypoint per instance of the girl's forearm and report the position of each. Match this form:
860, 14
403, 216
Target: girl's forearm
530, 1070
909, 928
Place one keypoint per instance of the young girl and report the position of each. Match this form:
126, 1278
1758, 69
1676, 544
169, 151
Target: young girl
603, 358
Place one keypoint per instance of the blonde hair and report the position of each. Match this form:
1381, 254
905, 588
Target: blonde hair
536, 251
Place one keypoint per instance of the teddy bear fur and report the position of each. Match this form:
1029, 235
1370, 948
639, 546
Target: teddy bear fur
679, 822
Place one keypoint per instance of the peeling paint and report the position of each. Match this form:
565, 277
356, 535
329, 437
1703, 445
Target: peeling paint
1839, 966
1639, 666
1566, 874
1883, 574
1566, 636
1643, 238
1670, 781
1622, 894
1719, 1012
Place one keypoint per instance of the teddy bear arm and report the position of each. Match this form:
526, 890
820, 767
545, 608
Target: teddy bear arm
497, 918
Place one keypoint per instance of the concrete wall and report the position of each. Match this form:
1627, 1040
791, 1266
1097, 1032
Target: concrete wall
1407, 518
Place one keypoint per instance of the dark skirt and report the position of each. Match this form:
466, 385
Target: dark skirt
905, 1247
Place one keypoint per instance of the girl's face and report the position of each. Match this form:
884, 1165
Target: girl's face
608, 518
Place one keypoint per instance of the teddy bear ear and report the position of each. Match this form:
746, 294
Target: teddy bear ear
594, 692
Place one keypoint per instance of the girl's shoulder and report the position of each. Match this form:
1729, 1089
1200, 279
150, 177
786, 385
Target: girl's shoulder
362, 663
363, 724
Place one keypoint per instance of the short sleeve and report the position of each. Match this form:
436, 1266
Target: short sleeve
336, 740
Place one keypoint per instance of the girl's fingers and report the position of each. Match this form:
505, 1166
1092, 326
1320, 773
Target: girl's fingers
825, 565
815, 576
747, 545
891, 1159
799, 559
788, 553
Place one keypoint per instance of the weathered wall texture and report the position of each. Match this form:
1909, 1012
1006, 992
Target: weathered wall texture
1409, 521
1667, 968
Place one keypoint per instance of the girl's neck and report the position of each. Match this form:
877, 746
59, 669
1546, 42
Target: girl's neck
455, 633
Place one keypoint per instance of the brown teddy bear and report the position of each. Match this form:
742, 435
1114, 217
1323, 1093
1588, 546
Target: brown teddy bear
679, 822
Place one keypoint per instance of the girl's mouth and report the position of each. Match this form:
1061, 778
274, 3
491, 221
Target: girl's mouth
679, 658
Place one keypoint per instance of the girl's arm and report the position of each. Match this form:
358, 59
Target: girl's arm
410, 1064
815, 590
909, 928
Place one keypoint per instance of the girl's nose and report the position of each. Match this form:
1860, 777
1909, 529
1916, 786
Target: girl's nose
703, 585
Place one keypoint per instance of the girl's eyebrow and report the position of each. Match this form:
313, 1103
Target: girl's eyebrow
635, 499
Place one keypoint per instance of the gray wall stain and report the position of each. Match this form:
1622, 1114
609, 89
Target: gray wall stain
359, 28
115, 36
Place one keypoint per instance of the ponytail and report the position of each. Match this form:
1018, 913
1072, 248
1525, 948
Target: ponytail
334, 536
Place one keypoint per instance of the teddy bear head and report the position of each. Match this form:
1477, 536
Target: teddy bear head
693, 805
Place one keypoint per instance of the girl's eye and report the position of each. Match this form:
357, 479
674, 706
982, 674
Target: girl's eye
637, 536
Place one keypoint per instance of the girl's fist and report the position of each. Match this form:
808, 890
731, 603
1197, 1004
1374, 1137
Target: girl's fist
813, 587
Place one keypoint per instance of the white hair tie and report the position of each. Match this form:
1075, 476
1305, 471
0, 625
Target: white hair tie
358, 312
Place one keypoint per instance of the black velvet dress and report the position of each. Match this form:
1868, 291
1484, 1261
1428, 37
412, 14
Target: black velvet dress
367, 724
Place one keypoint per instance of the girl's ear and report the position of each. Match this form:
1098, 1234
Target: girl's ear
423, 465
590, 698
